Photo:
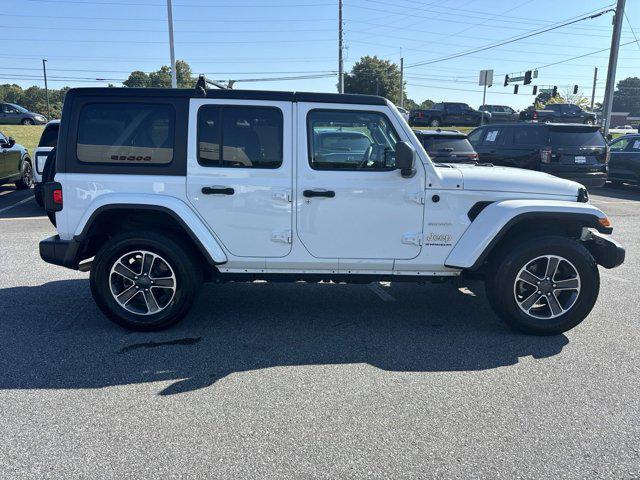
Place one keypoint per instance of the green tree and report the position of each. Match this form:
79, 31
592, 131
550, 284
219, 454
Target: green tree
137, 79
161, 78
626, 97
373, 76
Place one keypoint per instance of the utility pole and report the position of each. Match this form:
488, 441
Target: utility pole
613, 63
174, 74
401, 82
593, 91
340, 50
46, 88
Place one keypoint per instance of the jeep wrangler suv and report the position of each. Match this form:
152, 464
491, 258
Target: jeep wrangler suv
155, 191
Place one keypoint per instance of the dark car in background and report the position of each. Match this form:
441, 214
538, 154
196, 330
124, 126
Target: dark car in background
559, 113
15, 164
447, 146
500, 113
575, 152
447, 113
624, 161
11, 114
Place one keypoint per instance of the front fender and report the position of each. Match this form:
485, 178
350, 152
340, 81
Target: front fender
175, 207
495, 220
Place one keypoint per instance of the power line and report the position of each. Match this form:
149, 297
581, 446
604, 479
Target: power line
216, 5
133, 19
632, 31
510, 40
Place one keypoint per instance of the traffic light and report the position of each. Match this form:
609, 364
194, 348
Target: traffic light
527, 77
575, 89
555, 91
506, 80
515, 89
535, 89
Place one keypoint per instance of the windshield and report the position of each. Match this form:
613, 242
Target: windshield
19, 108
576, 138
435, 145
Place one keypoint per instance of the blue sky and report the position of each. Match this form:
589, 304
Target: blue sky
84, 40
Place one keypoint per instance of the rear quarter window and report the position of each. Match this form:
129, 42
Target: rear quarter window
434, 145
122, 133
529, 136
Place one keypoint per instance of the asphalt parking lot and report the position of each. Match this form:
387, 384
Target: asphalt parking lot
313, 381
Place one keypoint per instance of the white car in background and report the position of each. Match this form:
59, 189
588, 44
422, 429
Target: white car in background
404, 112
48, 140
624, 129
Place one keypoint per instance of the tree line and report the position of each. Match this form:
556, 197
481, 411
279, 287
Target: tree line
370, 75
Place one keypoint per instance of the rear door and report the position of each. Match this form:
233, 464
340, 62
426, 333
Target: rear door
488, 148
359, 207
624, 163
240, 173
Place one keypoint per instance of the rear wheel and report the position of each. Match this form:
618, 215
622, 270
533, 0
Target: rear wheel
544, 286
144, 280
434, 122
589, 121
26, 176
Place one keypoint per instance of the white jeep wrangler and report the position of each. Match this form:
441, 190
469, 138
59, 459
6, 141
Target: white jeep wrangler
165, 189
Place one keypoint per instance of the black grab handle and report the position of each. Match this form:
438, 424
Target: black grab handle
218, 190
319, 193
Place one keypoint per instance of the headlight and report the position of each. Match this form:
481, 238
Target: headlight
40, 118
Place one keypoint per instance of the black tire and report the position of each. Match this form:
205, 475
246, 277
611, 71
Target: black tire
48, 174
501, 286
434, 122
187, 273
589, 121
616, 183
26, 175
28, 121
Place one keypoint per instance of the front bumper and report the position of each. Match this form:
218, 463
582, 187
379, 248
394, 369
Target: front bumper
605, 251
56, 251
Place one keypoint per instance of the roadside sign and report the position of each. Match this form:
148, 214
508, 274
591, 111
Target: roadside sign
486, 78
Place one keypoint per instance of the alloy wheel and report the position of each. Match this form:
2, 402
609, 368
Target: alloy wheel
547, 287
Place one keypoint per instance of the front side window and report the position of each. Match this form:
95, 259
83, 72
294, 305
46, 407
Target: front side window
619, 145
126, 133
346, 140
240, 137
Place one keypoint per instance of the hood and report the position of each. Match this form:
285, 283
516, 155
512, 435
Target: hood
517, 180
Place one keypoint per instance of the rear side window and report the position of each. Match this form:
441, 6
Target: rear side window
126, 133
434, 145
475, 136
619, 145
241, 137
529, 136
49, 136
576, 138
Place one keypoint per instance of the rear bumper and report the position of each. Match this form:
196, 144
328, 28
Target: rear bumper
605, 251
56, 251
588, 179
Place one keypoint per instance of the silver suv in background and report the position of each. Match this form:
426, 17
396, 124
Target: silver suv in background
11, 114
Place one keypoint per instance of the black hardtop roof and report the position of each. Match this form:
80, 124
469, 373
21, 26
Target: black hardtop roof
120, 92
440, 133
577, 126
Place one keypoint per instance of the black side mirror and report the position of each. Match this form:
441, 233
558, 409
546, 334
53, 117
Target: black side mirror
12, 142
405, 159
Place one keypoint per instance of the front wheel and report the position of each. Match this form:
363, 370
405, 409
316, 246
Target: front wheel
26, 176
28, 121
544, 286
144, 280
434, 123
589, 121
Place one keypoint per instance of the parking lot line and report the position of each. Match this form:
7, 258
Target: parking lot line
379, 291
41, 217
24, 200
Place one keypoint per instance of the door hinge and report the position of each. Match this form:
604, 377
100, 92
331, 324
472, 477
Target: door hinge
283, 195
412, 239
416, 197
283, 236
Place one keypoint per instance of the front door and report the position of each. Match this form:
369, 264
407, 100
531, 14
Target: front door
240, 174
351, 201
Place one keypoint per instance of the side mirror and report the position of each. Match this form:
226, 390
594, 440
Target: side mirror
12, 142
405, 159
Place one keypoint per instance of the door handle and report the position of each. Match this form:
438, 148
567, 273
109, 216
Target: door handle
319, 193
218, 190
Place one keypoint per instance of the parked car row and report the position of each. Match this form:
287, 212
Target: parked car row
572, 151
461, 114
11, 114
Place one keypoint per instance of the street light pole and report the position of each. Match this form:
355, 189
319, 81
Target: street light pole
340, 50
46, 87
613, 63
593, 91
174, 74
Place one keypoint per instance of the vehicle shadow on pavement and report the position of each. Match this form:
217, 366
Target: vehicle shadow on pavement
624, 192
65, 343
